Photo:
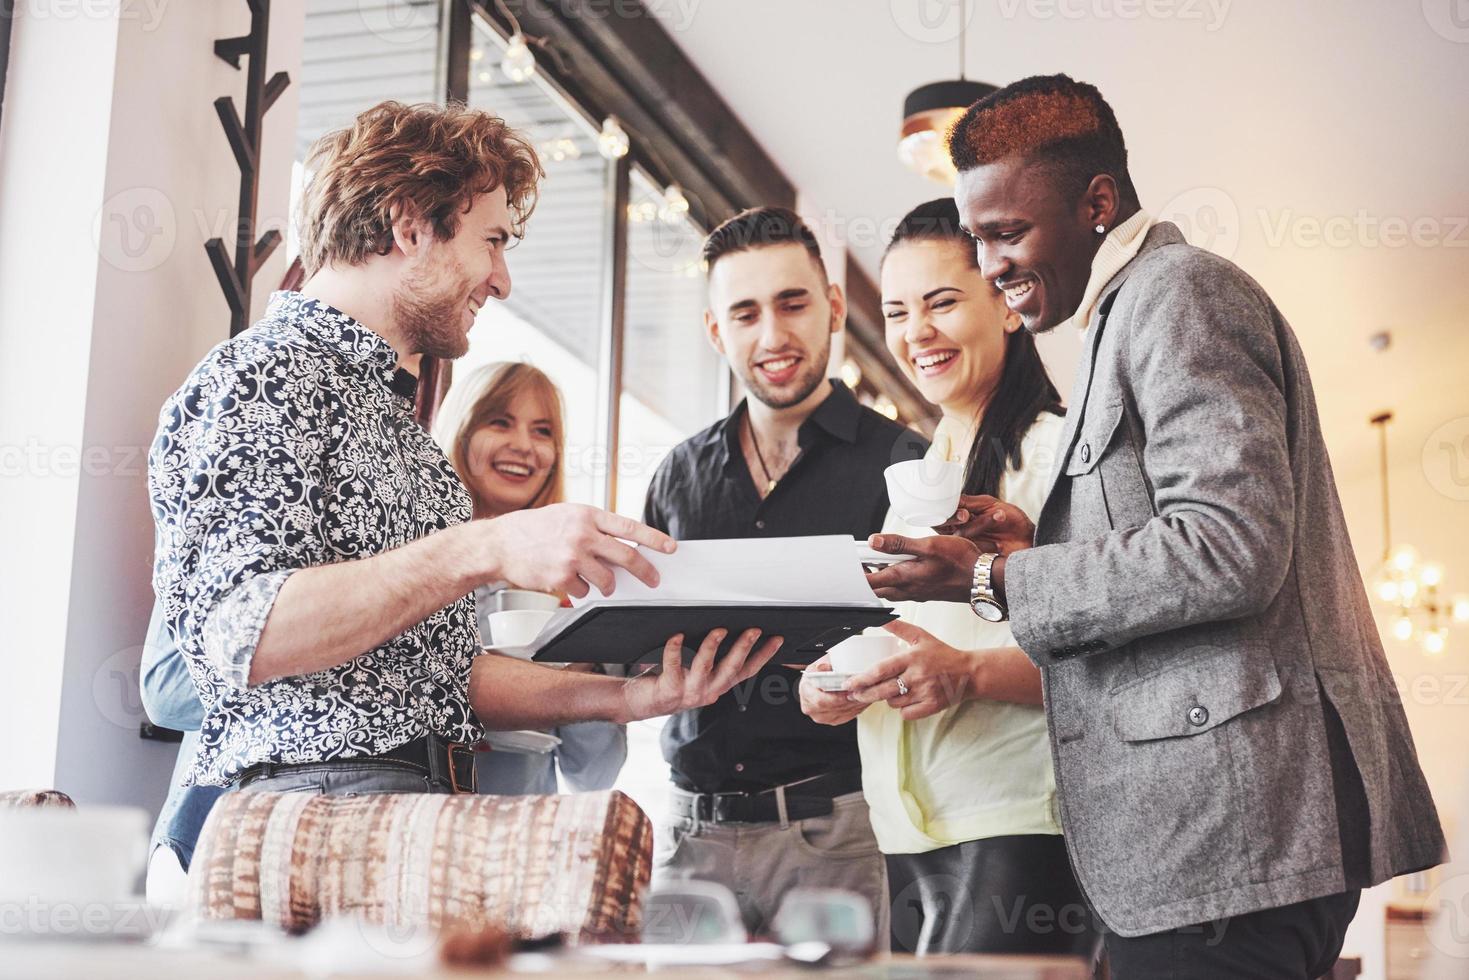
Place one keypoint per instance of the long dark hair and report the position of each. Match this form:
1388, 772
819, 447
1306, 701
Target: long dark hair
1025, 389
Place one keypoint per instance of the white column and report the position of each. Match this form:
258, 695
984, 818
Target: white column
113, 173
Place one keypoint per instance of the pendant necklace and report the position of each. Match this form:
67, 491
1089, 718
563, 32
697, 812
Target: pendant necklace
771, 481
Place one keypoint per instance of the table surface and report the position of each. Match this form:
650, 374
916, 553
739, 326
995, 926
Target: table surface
62, 961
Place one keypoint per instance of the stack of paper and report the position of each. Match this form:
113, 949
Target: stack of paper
810, 590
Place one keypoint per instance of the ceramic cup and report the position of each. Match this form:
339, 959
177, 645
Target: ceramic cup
515, 628
925, 492
507, 599
858, 653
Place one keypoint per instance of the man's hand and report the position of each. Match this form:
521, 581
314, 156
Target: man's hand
567, 547
997, 527
827, 707
676, 688
937, 676
943, 568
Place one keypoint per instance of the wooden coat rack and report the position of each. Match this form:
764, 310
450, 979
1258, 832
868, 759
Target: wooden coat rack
235, 277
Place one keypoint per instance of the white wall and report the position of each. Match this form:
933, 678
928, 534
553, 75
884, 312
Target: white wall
107, 299
52, 172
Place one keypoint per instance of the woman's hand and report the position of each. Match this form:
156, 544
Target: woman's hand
678, 688
995, 526
827, 707
936, 675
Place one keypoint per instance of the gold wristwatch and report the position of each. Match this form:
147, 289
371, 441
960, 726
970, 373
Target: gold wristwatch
982, 598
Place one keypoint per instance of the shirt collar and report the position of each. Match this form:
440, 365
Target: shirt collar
1117, 249
838, 415
337, 331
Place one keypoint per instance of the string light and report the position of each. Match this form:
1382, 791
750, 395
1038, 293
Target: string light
612, 141
675, 205
519, 64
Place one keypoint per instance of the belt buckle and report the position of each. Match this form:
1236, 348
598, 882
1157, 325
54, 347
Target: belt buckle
721, 813
468, 750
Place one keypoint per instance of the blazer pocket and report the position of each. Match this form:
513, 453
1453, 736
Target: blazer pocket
1096, 431
1195, 697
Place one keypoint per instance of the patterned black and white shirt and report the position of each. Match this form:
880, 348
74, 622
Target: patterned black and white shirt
288, 447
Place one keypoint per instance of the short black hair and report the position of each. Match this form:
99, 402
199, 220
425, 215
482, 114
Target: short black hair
1055, 121
936, 220
758, 228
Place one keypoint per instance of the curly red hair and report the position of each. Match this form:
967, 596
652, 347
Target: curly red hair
429, 159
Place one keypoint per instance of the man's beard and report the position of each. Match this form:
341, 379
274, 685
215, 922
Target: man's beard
427, 313
805, 384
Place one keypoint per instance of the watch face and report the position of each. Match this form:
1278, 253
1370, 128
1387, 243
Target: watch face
988, 610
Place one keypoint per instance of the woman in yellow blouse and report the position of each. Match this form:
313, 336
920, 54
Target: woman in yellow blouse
957, 771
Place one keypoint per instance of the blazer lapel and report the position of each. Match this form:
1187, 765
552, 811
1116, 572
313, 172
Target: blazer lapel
1162, 233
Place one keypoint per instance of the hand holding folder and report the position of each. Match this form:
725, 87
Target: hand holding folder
810, 590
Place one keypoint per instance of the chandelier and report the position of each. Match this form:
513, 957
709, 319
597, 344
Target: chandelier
1409, 588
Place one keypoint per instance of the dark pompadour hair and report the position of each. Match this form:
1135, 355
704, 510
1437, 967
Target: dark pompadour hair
757, 228
1054, 121
1025, 389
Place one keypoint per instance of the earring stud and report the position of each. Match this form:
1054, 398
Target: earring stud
1101, 230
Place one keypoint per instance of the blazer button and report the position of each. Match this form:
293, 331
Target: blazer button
760, 525
1198, 715
1086, 452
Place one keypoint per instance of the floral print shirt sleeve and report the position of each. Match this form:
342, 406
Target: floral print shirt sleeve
288, 447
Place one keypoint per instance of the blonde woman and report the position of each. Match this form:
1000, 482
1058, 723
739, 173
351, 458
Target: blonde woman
956, 763
503, 430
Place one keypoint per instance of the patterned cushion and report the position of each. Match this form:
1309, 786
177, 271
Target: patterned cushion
18, 799
537, 865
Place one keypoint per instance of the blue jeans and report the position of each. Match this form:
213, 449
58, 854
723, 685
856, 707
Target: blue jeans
171, 700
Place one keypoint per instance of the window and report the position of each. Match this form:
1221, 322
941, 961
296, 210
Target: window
674, 382
553, 318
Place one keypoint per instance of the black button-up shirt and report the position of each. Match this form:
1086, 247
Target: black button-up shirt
755, 736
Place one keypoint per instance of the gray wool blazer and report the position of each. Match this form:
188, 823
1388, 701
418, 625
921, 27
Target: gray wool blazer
1191, 584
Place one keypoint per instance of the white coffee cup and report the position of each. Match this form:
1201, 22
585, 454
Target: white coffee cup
92, 854
862, 652
507, 599
925, 492
516, 628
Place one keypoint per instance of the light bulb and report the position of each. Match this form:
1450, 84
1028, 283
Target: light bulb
1387, 590
1409, 589
925, 154
476, 54
1405, 558
1402, 628
851, 374
518, 64
884, 406
1434, 642
612, 140
1461, 609
1431, 575
675, 205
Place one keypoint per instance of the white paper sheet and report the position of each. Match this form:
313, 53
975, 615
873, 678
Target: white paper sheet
806, 570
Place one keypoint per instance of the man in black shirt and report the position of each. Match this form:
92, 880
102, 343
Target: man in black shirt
765, 799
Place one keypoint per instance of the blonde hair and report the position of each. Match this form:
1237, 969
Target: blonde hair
482, 395
430, 160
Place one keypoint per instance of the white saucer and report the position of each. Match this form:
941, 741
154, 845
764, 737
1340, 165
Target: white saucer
826, 680
871, 556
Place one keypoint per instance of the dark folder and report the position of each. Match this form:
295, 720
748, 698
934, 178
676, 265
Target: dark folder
633, 632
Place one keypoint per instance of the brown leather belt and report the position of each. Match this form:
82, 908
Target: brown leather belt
450, 764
